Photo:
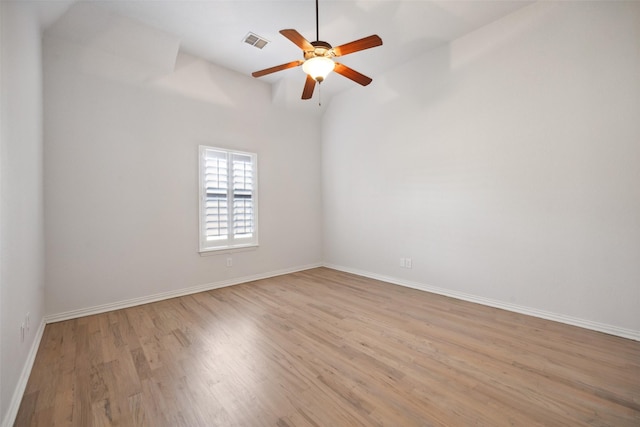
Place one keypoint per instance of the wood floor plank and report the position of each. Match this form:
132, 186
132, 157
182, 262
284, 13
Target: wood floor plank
327, 348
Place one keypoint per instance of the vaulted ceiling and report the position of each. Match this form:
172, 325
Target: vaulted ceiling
215, 30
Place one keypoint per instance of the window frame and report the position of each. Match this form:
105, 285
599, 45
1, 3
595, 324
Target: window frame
230, 242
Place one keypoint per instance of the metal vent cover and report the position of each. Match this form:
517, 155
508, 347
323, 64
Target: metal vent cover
255, 40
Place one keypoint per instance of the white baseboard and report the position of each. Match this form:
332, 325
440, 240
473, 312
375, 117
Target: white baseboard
103, 308
583, 323
16, 399
569, 320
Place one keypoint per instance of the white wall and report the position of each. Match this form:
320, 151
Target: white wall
506, 165
21, 201
121, 183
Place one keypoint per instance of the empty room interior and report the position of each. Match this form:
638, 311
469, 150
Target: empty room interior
198, 227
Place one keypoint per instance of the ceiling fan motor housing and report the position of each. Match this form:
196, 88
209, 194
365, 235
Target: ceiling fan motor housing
320, 49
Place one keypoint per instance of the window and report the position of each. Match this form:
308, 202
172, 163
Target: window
228, 199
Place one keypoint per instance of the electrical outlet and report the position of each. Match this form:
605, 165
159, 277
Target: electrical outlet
22, 327
407, 262
402, 262
229, 262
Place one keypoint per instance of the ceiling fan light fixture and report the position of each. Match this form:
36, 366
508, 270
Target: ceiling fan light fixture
318, 67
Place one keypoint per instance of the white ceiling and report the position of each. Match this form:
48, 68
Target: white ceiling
215, 29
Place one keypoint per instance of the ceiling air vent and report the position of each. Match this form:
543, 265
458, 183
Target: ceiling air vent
255, 40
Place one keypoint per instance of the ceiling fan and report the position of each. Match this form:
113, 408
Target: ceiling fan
318, 59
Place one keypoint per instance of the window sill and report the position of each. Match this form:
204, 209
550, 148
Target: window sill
227, 250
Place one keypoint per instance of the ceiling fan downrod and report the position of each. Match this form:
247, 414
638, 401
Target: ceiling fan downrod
317, 25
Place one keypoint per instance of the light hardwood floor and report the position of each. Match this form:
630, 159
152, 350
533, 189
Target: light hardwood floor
325, 348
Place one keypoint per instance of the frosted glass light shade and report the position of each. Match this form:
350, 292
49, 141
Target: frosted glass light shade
318, 67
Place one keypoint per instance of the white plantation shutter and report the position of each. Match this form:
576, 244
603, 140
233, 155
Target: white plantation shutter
216, 195
242, 173
228, 206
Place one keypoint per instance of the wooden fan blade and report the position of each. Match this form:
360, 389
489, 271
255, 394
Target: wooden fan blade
297, 39
352, 74
277, 68
357, 45
309, 85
